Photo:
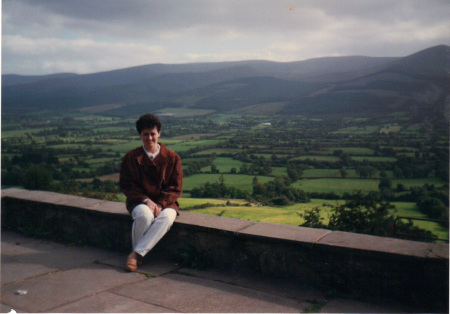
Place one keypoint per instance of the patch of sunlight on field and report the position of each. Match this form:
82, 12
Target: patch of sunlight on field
390, 129
190, 202
259, 214
288, 215
409, 209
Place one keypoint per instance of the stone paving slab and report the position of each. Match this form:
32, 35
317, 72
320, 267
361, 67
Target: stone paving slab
47, 292
24, 257
252, 280
107, 302
7, 309
155, 265
196, 295
62, 278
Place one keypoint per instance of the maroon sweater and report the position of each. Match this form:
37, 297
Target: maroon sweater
160, 179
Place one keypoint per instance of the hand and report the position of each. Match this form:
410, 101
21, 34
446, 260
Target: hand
155, 208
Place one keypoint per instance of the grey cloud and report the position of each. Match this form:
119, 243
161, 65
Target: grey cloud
136, 18
217, 30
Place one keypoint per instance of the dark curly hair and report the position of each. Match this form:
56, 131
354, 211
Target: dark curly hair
148, 121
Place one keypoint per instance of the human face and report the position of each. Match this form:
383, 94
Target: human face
150, 138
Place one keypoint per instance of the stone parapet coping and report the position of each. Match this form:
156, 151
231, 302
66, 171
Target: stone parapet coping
348, 262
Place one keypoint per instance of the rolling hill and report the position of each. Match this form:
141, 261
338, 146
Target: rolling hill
336, 85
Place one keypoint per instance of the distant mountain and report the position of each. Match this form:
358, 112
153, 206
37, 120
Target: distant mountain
345, 85
417, 83
14, 79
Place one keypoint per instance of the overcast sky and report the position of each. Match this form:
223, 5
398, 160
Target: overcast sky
85, 36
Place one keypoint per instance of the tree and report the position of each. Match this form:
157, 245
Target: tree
295, 171
385, 184
367, 214
433, 208
398, 172
343, 172
37, 178
312, 218
400, 187
366, 171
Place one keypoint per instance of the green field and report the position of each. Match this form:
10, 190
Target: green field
338, 186
317, 157
90, 146
224, 164
241, 181
321, 173
374, 158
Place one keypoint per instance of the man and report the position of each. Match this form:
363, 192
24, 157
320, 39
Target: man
151, 178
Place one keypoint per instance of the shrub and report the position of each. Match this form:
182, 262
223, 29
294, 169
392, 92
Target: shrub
367, 214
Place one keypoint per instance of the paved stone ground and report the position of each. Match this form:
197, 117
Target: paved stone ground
43, 276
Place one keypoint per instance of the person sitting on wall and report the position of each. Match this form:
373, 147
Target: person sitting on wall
151, 178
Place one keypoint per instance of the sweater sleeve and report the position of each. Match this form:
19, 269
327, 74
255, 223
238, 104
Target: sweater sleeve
172, 190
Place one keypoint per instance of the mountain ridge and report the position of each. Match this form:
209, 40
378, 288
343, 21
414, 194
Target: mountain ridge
304, 87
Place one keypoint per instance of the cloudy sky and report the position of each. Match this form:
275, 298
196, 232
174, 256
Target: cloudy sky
85, 36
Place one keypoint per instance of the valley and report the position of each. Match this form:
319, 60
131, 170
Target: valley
328, 159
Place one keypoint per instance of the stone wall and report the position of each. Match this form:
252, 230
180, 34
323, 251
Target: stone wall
349, 263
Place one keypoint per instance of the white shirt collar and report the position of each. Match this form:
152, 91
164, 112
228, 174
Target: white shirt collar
152, 156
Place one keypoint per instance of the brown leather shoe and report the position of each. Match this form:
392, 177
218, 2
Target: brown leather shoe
132, 262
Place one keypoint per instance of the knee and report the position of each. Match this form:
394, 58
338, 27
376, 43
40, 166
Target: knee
143, 213
168, 215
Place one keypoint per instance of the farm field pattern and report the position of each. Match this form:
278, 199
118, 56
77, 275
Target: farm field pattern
235, 149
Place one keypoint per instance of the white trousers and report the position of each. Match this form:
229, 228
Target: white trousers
148, 230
